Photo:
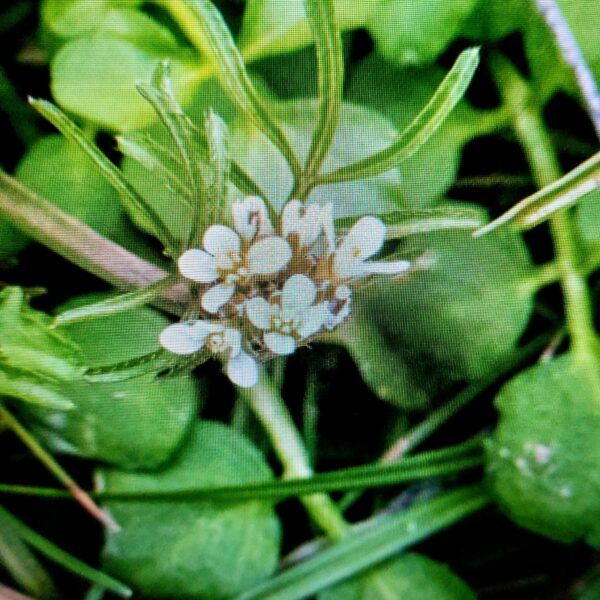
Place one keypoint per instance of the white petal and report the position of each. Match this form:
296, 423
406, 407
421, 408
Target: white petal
185, 338
392, 268
197, 265
312, 224
259, 312
242, 369
280, 343
328, 225
269, 255
290, 217
215, 297
219, 239
234, 340
364, 239
298, 293
345, 265
313, 320
251, 217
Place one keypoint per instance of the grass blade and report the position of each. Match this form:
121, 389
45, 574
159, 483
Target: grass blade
205, 27
562, 193
64, 559
365, 548
146, 215
446, 97
330, 60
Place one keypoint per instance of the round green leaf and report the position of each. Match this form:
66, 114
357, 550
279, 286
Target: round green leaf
410, 577
137, 423
455, 319
543, 462
412, 33
170, 549
95, 76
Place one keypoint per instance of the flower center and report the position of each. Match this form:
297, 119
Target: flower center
217, 344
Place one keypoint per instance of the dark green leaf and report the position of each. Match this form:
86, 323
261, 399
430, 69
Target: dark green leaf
194, 549
543, 459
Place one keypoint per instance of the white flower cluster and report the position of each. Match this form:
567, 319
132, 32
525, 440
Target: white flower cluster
267, 288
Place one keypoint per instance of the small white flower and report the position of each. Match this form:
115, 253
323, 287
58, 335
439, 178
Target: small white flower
222, 260
251, 218
294, 318
191, 336
365, 238
308, 223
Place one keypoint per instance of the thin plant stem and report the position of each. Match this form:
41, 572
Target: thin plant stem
271, 411
80, 495
530, 130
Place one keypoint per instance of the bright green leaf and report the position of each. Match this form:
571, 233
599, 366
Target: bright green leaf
410, 577
194, 549
455, 319
543, 458
133, 424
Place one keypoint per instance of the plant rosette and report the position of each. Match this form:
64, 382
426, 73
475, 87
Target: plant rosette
265, 289
543, 460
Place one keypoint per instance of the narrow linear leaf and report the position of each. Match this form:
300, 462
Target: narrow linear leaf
145, 213
22, 565
446, 97
541, 205
115, 304
426, 465
402, 223
330, 60
64, 559
364, 548
205, 26
153, 362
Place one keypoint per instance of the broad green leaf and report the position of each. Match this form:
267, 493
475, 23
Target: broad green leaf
542, 464
455, 318
64, 559
410, 577
266, 166
368, 546
141, 211
205, 26
330, 61
429, 119
95, 76
587, 218
35, 361
400, 94
72, 18
278, 26
416, 33
133, 424
193, 549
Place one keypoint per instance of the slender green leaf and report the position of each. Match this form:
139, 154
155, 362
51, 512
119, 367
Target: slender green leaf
145, 213
437, 463
64, 559
402, 223
330, 59
205, 27
368, 546
115, 304
21, 564
562, 193
449, 92
153, 362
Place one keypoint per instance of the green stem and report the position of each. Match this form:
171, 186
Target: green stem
530, 130
270, 410
61, 475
